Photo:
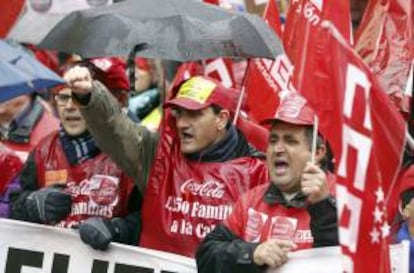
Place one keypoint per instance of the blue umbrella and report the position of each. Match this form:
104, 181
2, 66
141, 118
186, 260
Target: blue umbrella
21, 73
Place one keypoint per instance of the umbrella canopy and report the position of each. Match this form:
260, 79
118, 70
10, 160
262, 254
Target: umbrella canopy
20, 73
179, 30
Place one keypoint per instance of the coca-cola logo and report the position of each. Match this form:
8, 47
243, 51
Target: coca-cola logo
106, 194
210, 188
101, 189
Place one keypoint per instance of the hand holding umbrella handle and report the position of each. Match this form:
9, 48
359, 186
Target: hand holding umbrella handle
79, 79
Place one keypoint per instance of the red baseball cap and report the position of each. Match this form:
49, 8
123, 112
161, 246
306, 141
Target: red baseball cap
293, 109
199, 92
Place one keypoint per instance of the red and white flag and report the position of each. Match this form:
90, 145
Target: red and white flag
385, 40
220, 69
367, 136
266, 80
313, 11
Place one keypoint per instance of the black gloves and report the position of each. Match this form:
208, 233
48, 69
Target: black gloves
48, 205
98, 232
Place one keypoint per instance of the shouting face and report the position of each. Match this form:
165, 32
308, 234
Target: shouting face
198, 129
288, 151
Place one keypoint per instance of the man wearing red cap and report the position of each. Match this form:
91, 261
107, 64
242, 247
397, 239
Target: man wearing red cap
191, 173
296, 211
68, 182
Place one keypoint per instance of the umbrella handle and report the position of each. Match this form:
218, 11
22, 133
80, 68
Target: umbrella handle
131, 64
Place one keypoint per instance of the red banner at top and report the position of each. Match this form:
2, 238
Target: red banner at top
313, 11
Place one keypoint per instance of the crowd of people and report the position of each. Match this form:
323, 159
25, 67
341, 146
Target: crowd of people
193, 185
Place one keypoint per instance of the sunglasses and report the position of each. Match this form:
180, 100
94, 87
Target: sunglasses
62, 99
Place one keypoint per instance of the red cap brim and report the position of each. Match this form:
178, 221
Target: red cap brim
287, 120
185, 103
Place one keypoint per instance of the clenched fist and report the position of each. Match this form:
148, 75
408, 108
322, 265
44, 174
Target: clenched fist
79, 80
314, 184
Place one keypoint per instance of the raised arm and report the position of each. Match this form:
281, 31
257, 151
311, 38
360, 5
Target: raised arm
131, 146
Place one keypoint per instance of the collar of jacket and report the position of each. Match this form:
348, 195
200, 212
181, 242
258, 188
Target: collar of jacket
274, 196
221, 151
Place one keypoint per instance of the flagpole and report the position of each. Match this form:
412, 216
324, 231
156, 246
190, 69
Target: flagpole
314, 138
242, 91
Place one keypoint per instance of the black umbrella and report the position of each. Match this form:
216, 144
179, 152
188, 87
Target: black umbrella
179, 30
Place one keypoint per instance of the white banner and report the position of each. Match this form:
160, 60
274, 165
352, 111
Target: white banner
330, 260
31, 248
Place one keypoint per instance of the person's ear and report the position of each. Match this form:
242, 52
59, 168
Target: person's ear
223, 119
320, 153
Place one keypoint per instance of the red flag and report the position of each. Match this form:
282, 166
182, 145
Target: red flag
272, 17
367, 137
10, 11
385, 40
266, 79
265, 83
313, 11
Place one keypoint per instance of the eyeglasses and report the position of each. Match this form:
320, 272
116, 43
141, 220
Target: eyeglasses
63, 99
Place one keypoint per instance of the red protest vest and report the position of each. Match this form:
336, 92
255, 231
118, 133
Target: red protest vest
256, 221
184, 200
98, 187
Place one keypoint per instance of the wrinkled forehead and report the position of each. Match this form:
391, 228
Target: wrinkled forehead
280, 128
65, 90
